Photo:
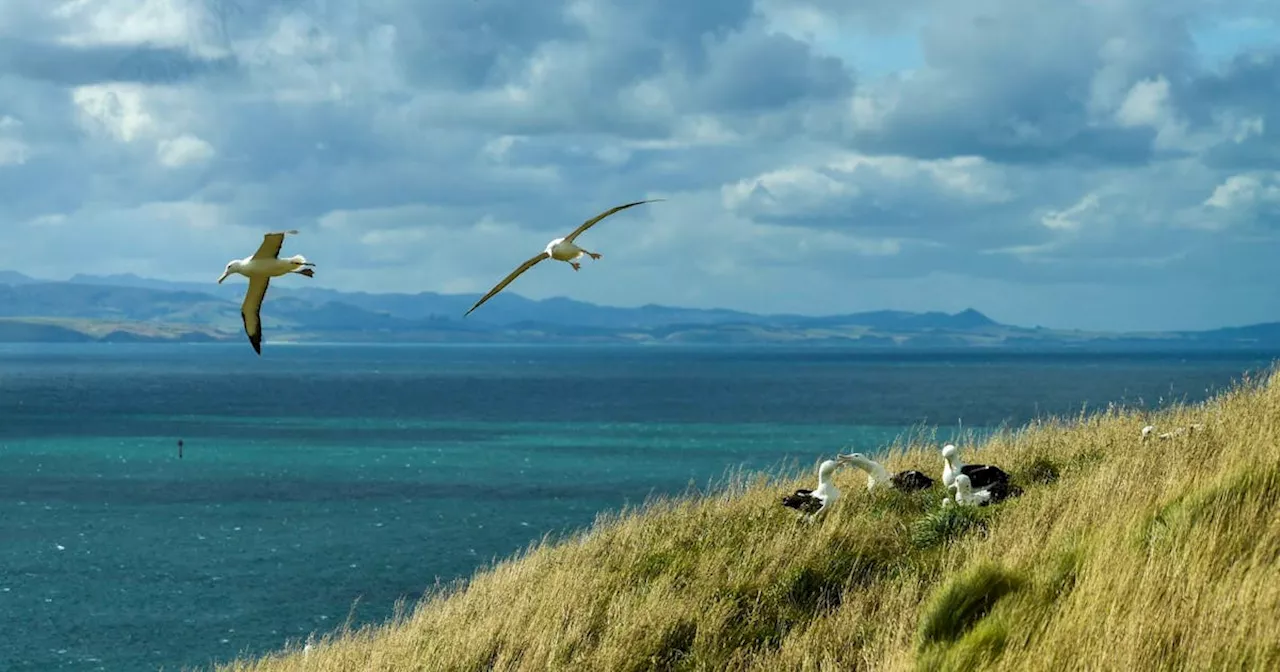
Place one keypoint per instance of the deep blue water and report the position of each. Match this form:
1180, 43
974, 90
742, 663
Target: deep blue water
319, 475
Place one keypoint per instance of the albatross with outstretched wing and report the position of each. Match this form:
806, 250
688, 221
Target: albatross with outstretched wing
560, 249
260, 268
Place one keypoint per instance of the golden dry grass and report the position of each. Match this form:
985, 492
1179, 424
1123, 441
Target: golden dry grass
1122, 554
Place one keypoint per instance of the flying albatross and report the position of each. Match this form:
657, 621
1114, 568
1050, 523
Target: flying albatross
820, 498
260, 268
979, 475
560, 249
878, 476
967, 495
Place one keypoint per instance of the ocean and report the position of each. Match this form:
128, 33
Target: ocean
320, 477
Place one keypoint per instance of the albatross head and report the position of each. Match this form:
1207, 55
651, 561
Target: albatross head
853, 458
232, 267
962, 485
876, 474
825, 469
949, 452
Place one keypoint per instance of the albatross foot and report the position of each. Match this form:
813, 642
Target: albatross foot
576, 266
307, 272
593, 255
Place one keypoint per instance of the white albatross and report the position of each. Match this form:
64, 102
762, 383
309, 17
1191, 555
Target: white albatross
878, 476
820, 498
260, 268
560, 249
979, 475
967, 495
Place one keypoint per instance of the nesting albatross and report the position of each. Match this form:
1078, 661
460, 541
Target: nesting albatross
967, 495
560, 249
821, 498
979, 475
878, 476
260, 268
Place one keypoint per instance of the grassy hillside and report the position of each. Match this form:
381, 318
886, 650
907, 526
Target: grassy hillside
1122, 554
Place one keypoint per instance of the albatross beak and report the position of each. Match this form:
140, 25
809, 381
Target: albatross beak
224, 276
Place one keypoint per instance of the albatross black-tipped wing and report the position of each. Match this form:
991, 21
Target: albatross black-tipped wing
271, 244
909, 481
983, 475
592, 222
251, 311
507, 280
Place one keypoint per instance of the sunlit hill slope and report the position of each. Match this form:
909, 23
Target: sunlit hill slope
1121, 554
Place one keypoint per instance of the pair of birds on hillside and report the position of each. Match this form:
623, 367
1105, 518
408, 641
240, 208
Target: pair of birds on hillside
974, 484
266, 264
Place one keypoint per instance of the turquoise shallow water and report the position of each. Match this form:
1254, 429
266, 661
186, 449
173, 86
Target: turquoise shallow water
367, 473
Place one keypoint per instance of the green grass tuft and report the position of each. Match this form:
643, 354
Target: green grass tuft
965, 600
945, 525
978, 648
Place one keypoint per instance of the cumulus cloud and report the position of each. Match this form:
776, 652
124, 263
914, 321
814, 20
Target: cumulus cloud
183, 150
1025, 157
1248, 203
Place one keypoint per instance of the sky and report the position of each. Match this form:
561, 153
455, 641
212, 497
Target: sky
1094, 164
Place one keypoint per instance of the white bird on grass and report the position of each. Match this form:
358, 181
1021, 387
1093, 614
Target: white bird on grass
997, 491
819, 499
560, 249
878, 476
260, 268
981, 475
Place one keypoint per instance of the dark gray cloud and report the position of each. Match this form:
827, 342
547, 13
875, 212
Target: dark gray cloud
464, 46
1029, 82
742, 63
73, 66
1241, 96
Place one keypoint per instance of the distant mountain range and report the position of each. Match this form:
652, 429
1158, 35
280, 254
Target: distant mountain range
130, 308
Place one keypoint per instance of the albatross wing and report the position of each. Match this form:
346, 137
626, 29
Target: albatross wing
983, 475
591, 222
251, 310
507, 280
803, 500
1002, 490
271, 244
911, 480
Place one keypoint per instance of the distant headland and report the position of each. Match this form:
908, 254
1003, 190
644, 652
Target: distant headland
128, 308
